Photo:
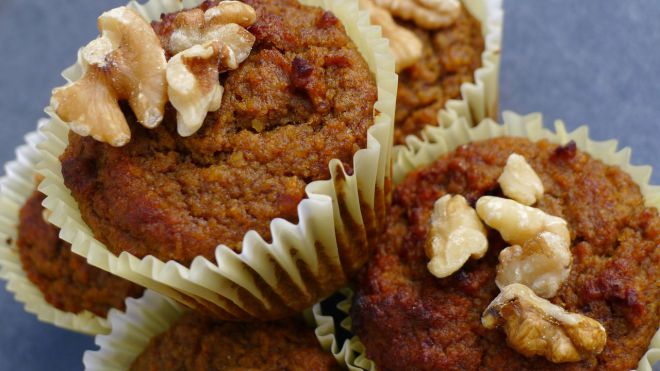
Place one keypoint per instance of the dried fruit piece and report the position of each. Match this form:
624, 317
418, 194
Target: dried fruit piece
404, 44
543, 263
428, 14
536, 327
126, 62
455, 235
520, 182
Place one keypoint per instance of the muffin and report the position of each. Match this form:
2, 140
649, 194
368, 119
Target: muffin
273, 115
408, 317
165, 337
195, 342
438, 47
67, 282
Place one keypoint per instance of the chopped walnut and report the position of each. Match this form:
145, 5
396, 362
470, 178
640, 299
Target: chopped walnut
541, 255
543, 263
427, 14
225, 22
455, 235
193, 85
518, 223
536, 327
404, 44
520, 182
125, 62
206, 44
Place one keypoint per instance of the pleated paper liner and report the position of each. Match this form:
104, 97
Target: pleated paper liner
333, 323
304, 262
479, 99
15, 188
131, 332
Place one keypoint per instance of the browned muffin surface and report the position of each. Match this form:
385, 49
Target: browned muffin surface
195, 342
409, 319
303, 97
66, 280
450, 57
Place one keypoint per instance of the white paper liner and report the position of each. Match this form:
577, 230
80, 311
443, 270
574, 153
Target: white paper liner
479, 99
439, 141
16, 187
302, 264
132, 330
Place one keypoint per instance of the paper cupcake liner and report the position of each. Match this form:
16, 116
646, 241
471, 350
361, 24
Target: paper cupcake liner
479, 99
304, 261
15, 188
439, 141
132, 331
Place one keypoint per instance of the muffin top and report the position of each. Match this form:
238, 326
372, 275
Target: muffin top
67, 282
195, 342
450, 56
302, 97
407, 318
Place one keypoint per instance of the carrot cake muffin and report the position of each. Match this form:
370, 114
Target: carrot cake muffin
195, 342
437, 46
410, 318
301, 96
65, 279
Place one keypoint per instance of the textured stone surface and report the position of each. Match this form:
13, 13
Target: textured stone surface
593, 61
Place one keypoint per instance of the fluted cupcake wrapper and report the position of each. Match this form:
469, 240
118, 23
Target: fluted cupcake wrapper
479, 99
302, 264
132, 330
16, 187
421, 152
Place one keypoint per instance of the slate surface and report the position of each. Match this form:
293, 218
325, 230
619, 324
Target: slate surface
592, 61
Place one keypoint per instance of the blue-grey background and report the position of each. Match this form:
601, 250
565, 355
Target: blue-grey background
591, 62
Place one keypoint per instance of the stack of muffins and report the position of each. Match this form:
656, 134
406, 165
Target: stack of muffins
236, 159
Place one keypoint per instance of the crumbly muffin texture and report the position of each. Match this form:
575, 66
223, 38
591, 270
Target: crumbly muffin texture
303, 97
409, 319
65, 279
195, 342
450, 57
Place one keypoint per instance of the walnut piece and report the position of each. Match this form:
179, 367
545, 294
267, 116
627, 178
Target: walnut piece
541, 257
404, 44
193, 85
455, 235
520, 182
543, 263
535, 326
427, 14
206, 43
224, 22
518, 223
126, 62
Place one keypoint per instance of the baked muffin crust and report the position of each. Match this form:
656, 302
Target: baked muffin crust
66, 280
409, 319
302, 98
198, 343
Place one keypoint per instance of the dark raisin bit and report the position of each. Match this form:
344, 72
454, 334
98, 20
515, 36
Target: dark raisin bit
327, 19
566, 152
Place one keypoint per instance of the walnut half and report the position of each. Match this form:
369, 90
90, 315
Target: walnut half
126, 62
535, 326
455, 235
